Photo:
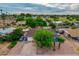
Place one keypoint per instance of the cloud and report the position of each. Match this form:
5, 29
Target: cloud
41, 7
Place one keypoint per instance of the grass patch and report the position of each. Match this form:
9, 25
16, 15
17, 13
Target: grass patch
12, 44
73, 27
1, 42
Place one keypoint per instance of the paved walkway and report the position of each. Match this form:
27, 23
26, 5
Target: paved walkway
30, 49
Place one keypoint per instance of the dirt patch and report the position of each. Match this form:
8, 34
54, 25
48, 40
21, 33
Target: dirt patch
30, 49
4, 48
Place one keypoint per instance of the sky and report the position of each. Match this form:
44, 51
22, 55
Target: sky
41, 8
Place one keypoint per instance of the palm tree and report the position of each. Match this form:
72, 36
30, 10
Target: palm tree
6, 13
1, 11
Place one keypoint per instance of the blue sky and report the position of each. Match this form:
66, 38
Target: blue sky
51, 8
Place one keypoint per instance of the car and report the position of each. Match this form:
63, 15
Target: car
23, 38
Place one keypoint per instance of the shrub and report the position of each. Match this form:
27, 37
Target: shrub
43, 38
68, 23
1, 39
61, 39
73, 27
48, 20
13, 36
12, 44
16, 34
53, 26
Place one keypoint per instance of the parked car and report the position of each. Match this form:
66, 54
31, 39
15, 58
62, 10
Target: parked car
23, 38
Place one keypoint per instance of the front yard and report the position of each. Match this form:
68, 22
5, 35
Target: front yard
4, 48
30, 49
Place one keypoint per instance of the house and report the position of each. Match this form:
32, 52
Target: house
6, 30
21, 23
57, 22
76, 24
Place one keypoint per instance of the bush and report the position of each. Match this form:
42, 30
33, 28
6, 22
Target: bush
43, 38
15, 36
53, 26
48, 20
12, 44
1, 39
61, 39
73, 27
68, 23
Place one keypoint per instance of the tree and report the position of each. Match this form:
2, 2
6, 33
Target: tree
15, 36
19, 18
43, 38
60, 40
30, 22
1, 11
22, 14
2, 14
53, 26
28, 15
40, 22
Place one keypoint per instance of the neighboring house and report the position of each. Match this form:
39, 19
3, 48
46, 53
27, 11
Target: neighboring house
46, 16
21, 23
57, 22
34, 16
10, 21
76, 24
6, 30
7, 21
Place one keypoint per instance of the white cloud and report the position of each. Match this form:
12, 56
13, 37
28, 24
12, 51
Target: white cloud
71, 6
74, 6
57, 5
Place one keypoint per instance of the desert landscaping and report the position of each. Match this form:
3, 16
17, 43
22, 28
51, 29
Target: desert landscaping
28, 34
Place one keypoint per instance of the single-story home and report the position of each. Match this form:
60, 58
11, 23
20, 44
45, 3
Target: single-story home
21, 23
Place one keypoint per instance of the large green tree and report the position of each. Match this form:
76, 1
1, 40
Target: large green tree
43, 38
30, 22
40, 22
